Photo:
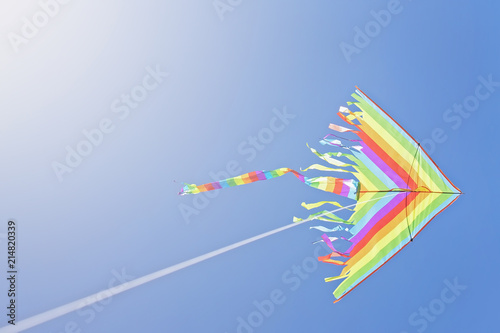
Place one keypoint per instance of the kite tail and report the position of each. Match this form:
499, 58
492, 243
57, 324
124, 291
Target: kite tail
344, 187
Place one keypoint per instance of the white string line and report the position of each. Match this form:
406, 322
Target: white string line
107, 293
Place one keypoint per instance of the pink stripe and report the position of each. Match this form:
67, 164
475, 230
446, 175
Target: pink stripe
329, 243
376, 218
261, 175
383, 166
298, 175
345, 190
216, 185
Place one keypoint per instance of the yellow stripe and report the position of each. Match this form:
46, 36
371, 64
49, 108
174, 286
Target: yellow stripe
321, 203
364, 199
239, 181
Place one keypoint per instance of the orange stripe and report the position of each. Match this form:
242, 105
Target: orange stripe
202, 188
380, 225
338, 186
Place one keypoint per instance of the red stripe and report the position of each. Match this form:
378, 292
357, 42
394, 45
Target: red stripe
338, 186
388, 160
253, 176
380, 224
205, 187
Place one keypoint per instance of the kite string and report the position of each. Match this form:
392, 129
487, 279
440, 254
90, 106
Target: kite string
86, 301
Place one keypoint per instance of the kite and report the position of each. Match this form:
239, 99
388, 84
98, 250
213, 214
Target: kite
398, 189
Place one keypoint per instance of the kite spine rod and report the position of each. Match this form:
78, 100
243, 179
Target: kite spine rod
411, 191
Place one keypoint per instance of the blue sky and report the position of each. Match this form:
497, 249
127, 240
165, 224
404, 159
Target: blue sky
203, 83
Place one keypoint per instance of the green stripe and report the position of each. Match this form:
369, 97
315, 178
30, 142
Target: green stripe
438, 177
384, 123
363, 169
366, 207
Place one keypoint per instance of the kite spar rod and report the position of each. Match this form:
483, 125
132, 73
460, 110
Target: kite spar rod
107, 293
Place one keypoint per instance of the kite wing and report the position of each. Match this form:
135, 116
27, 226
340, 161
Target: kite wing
401, 191
398, 189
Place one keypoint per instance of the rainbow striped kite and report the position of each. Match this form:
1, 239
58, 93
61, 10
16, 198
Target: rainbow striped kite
397, 187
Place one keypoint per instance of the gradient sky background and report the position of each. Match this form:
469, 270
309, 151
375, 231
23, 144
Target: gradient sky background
119, 209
